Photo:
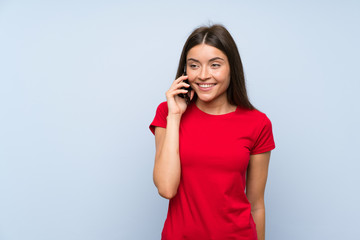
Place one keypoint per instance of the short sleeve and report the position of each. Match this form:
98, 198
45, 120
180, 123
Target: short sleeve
265, 139
160, 117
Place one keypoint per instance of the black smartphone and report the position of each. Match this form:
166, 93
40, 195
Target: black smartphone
185, 95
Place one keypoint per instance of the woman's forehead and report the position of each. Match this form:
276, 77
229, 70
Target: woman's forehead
205, 52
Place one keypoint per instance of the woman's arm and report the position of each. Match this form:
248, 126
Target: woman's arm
167, 160
255, 188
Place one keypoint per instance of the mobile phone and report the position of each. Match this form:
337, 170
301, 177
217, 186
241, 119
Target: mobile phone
185, 95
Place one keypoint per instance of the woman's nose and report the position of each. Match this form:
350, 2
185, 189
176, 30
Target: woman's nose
204, 74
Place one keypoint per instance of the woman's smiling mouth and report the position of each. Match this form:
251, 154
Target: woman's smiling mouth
206, 86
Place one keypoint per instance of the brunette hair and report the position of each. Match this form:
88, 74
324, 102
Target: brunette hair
219, 37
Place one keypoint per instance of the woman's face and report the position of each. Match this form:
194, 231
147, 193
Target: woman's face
209, 73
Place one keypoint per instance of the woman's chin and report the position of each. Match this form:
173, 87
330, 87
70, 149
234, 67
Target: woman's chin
205, 99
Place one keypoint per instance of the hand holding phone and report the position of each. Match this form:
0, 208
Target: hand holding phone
185, 95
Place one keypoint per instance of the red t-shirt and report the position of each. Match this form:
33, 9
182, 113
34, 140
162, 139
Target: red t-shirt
214, 153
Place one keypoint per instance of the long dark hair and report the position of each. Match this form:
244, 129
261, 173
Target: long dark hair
219, 37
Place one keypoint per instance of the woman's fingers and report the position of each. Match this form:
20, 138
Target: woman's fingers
179, 80
175, 92
177, 104
177, 86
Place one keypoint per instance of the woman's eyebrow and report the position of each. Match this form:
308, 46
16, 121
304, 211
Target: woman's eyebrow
216, 58
212, 59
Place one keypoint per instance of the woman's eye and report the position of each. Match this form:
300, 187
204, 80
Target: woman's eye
193, 65
215, 65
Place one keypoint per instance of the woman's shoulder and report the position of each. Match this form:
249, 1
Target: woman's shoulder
162, 106
255, 114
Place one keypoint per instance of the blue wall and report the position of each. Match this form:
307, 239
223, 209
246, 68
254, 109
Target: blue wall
80, 82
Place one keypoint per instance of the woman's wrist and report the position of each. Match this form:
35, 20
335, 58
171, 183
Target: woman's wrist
172, 116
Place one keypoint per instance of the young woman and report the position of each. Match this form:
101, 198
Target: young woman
212, 146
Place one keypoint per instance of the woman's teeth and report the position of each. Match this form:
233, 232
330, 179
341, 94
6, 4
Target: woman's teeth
206, 85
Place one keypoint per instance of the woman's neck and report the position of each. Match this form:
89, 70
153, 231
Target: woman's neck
215, 108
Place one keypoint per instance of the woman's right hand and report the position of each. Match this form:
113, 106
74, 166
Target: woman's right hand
176, 104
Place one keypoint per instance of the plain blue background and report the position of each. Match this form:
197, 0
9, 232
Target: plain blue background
80, 82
